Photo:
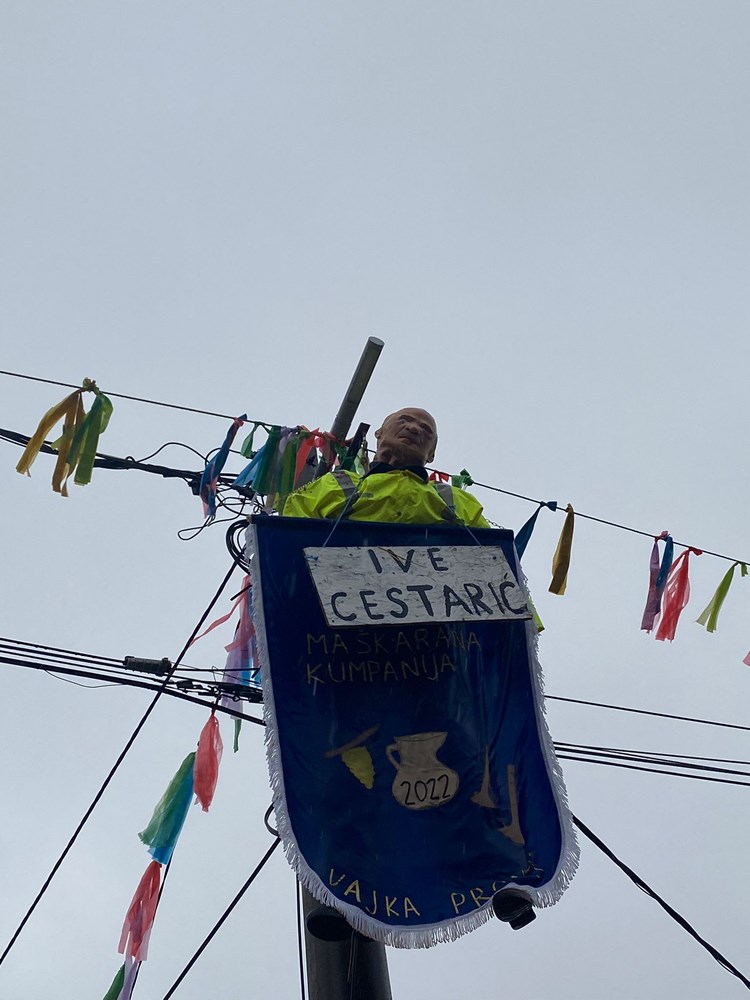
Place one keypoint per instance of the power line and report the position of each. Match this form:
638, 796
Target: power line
654, 770
134, 399
643, 711
112, 771
474, 482
212, 933
146, 686
637, 880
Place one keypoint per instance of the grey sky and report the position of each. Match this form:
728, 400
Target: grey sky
542, 208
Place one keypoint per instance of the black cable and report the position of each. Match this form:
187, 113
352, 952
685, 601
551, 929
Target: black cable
654, 770
212, 933
167, 444
299, 939
641, 757
266, 822
193, 479
112, 772
647, 753
642, 711
253, 695
644, 887
134, 399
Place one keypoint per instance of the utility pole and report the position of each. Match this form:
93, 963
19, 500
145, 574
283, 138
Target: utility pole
355, 969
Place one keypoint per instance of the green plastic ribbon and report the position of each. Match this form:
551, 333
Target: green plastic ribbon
710, 615
117, 983
161, 834
76, 446
264, 478
462, 479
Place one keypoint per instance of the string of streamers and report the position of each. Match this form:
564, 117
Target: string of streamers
676, 595
710, 614
287, 460
76, 446
214, 467
657, 578
561, 558
198, 773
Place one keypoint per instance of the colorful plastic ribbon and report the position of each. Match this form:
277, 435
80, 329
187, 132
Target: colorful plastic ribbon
210, 477
76, 446
676, 595
160, 836
139, 919
462, 479
113, 993
561, 558
710, 614
207, 760
657, 579
524, 533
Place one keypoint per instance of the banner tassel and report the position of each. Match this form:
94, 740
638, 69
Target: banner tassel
207, 760
676, 595
160, 836
139, 919
561, 559
710, 614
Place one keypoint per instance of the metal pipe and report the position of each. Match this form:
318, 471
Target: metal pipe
353, 397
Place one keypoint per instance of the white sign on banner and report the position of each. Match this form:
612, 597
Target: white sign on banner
379, 585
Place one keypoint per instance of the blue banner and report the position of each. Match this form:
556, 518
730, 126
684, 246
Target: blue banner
412, 770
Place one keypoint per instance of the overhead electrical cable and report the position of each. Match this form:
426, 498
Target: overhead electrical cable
22, 648
643, 711
134, 399
113, 770
217, 926
654, 770
206, 702
132, 464
644, 887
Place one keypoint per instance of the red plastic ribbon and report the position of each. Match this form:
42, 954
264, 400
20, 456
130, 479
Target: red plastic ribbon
676, 595
439, 477
220, 621
139, 919
207, 760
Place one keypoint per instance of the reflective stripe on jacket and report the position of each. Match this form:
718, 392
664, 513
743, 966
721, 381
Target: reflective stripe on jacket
397, 496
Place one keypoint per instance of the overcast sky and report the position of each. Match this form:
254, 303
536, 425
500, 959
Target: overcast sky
542, 209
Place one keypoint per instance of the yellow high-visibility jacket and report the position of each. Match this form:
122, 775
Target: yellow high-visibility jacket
398, 496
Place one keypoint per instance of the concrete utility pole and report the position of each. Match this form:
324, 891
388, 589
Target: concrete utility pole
355, 969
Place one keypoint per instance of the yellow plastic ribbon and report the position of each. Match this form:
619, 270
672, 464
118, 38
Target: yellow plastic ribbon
561, 559
710, 615
76, 446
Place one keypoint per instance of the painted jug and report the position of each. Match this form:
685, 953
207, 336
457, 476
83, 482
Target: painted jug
422, 781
